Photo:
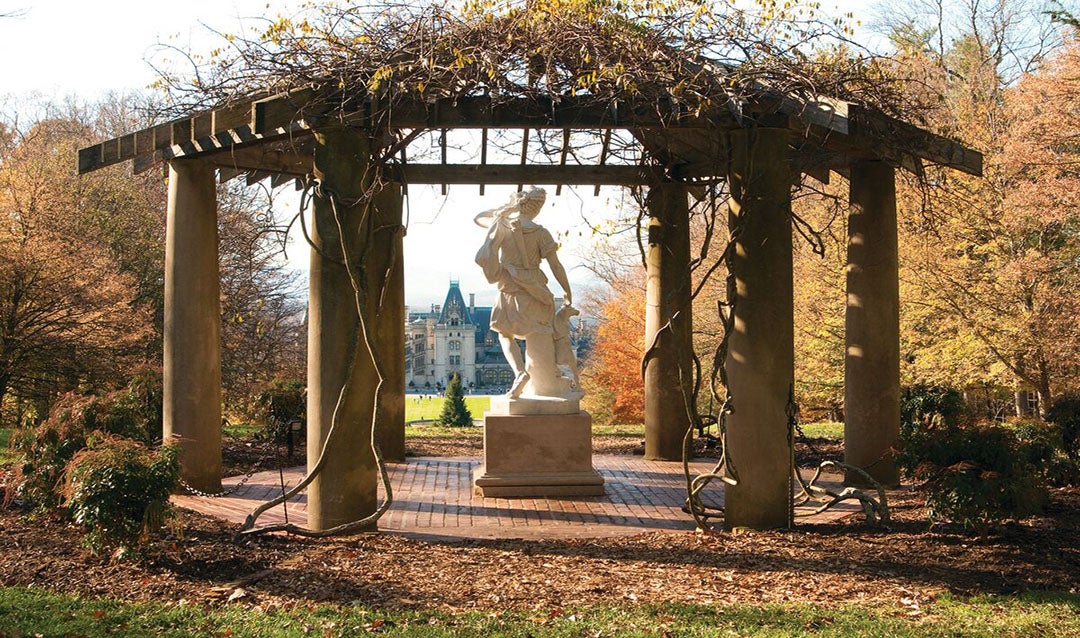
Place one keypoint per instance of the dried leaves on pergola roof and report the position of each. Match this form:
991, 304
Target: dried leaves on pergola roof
690, 54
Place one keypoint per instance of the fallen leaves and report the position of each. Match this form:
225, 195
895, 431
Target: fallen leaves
903, 569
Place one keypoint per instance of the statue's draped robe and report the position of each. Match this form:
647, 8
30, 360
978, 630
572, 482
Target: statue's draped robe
510, 257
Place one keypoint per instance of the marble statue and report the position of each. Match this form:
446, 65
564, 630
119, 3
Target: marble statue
510, 257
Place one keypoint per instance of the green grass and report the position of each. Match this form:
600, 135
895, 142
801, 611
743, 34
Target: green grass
629, 430
429, 409
241, 430
30, 611
823, 430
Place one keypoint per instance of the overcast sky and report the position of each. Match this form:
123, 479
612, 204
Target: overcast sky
83, 48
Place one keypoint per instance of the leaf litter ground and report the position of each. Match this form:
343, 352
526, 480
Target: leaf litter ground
198, 560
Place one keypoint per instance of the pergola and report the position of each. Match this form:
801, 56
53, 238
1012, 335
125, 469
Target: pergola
761, 148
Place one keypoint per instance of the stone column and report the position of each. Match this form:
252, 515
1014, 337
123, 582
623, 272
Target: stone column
192, 337
667, 299
760, 359
345, 490
390, 322
872, 362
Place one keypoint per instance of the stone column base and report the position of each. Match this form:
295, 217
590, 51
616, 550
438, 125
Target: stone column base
538, 455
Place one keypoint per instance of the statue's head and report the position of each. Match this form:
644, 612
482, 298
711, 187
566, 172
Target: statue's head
530, 202
525, 204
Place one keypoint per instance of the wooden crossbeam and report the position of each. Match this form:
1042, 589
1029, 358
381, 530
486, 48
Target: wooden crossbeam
513, 174
832, 124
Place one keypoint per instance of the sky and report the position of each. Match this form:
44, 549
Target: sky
56, 49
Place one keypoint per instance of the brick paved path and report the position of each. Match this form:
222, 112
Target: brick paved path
433, 496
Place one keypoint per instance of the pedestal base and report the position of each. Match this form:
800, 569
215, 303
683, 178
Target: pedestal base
538, 455
530, 405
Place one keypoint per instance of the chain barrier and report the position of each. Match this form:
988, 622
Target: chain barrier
223, 493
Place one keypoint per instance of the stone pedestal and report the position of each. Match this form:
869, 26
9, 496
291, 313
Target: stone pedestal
537, 455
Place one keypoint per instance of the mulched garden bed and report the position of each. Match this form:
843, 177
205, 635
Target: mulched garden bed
197, 560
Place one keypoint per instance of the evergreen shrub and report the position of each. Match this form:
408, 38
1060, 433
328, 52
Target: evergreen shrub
118, 489
454, 411
1066, 413
280, 402
46, 448
973, 474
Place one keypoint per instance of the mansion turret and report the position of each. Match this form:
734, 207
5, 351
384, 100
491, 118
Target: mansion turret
454, 337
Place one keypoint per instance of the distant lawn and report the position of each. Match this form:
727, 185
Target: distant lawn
34, 611
429, 409
629, 430
823, 430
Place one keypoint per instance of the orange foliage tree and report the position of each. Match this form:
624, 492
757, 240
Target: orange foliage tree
611, 375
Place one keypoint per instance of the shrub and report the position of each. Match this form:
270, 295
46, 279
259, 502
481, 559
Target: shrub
1066, 413
46, 448
920, 403
454, 410
975, 474
280, 402
118, 489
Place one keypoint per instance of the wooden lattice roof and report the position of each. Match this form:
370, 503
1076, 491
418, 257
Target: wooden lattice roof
270, 136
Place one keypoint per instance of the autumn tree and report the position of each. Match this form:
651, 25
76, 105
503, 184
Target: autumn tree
262, 332
71, 315
988, 262
82, 262
611, 374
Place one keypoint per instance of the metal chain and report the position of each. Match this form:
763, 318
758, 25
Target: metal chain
792, 412
232, 490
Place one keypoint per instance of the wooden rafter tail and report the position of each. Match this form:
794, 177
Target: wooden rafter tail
562, 156
254, 177
226, 174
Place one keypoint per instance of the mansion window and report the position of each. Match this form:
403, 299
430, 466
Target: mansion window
455, 360
455, 345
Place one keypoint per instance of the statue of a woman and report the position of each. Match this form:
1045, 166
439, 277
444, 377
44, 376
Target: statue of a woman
510, 257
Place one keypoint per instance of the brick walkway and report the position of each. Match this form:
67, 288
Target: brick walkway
433, 497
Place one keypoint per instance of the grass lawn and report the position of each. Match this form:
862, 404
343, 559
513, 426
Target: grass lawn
35, 611
823, 430
428, 409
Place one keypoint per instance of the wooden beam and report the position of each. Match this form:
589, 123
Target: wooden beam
278, 111
873, 128
284, 160
254, 177
512, 174
226, 174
